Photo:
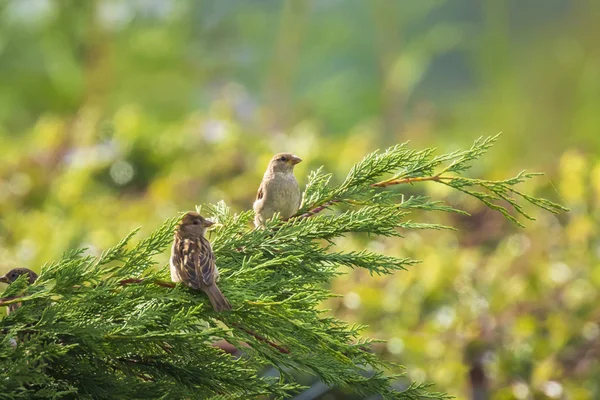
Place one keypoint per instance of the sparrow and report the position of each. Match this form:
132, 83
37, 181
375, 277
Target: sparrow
193, 261
12, 276
279, 191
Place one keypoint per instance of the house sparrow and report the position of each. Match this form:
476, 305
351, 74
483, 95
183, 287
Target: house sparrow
193, 261
279, 191
12, 276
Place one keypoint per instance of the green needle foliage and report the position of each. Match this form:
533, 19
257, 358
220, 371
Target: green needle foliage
113, 326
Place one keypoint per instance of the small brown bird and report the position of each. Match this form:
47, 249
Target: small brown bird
193, 261
12, 276
279, 191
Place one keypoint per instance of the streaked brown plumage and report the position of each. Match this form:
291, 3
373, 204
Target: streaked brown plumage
279, 191
12, 276
193, 261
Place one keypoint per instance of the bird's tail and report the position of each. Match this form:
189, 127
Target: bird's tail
218, 301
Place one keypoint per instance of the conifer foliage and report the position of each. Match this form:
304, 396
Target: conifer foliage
114, 326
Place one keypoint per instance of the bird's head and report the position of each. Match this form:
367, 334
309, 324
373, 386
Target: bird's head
14, 273
194, 225
283, 162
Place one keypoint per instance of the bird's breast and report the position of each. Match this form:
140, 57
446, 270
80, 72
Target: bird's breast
286, 196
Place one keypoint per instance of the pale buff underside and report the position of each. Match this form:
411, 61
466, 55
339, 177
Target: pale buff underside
281, 193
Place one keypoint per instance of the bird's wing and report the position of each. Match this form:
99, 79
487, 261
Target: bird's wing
185, 258
195, 262
176, 256
207, 264
261, 191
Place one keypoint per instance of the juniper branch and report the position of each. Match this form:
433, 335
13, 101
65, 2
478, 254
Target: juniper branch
412, 167
150, 338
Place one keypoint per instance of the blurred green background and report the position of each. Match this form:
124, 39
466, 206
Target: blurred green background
116, 114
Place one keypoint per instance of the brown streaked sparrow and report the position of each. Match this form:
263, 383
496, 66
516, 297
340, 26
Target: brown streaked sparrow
193, 261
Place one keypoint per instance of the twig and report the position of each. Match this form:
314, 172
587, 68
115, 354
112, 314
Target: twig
386, 183
262, 339
390, 182
130, 281
317, 209
9, 300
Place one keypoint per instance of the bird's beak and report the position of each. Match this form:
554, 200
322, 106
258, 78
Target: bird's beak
295, 160
3, 279
208, 223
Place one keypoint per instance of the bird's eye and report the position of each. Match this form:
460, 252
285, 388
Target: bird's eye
196, 222
282, 158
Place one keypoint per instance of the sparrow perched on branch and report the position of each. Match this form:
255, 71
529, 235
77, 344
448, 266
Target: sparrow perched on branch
279, 191
12, 276
193, 261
